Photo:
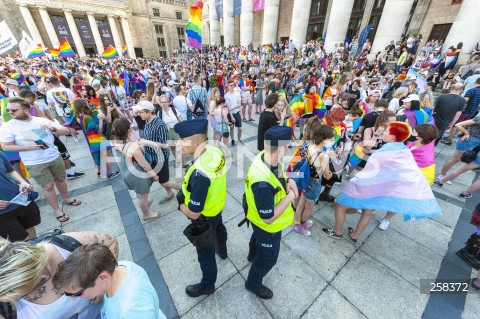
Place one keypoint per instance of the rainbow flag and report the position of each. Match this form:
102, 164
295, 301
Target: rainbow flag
416, 117
18, 77
317, 107
36, 53
281, 93
391, 181
357, 155
290, 123
66, 50
7, 56
16, 54
110, 52
95, 140
40, 74
54, 52
124, 50
269, 47
194, 26
296, 105
241, 55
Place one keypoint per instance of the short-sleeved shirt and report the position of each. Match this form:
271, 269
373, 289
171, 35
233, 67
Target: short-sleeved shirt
264, 196
156, 131
474, 130
473, 101
198, 184
266, 121
26, 133
369, 120
446, 106
134, 299
233, 99
58, 97
9, 187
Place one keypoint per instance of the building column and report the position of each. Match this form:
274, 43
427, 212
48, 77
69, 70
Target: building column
228, 23
246, 24
128, 38
392, 23
47, 22
214, 24
327, 18
74, 31
32, 27
338, 23
299, 25
95, 32
366, 14
116, 37
464, 29
270, 21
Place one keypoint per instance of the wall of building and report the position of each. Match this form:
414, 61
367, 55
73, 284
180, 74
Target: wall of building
285, 19
257, 27
438, 12
12, 16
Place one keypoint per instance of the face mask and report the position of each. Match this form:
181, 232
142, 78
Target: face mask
328, 145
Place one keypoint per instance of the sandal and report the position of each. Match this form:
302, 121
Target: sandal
353, 240
74, 202
63, 218
152, 216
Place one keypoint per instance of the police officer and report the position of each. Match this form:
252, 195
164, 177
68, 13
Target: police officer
203, 196
269, 198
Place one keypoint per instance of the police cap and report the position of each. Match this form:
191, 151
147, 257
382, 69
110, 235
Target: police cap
278, 136
188, 128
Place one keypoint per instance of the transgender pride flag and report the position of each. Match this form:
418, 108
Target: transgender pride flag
391, 181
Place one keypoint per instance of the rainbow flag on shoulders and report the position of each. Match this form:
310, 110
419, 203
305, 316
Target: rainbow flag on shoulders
110, 52
194, 26
297, 105
36, 53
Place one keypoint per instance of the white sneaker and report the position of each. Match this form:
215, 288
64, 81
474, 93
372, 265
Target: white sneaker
384, 223
448, 183
439, 179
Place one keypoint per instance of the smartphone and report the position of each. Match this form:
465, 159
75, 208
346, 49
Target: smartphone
42, 143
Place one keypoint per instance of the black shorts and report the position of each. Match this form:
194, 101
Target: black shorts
164, 173
238, 119
14, 224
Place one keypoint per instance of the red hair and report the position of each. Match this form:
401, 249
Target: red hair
400, 130
335, 114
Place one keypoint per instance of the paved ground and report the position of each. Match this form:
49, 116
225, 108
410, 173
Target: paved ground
315, 277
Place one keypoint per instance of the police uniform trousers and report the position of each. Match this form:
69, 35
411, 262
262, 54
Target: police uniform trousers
265, 247
206, 256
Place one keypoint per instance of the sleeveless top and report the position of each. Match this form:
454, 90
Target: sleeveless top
62, 308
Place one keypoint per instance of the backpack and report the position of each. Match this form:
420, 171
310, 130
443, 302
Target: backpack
301, 173
160, 113
55, 237
198, 107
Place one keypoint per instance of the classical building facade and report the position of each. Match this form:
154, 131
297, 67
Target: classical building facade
452, 21
148, 28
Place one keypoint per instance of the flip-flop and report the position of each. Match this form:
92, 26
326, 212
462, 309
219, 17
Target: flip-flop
353, 240
166, 199
152, 216
63, 218
74, 202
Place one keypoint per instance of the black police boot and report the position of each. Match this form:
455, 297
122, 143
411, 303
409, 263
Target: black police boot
197, 290
222, 255
263, 293
251, 255
325, 196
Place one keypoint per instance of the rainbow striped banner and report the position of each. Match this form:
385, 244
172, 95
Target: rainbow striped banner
194, 26
66, 50
124, 50
36, 53
110, 52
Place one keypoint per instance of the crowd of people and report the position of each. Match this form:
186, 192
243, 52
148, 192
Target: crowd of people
354, 115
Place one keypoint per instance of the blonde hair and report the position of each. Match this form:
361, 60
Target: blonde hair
212, 95
20, 266
399, 92
289, 112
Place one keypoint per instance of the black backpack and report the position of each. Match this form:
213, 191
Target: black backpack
55, 237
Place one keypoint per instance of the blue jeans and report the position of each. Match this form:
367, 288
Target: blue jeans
266, 247
206, 256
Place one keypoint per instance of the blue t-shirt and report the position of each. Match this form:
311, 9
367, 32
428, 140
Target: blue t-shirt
9, 187
135, 299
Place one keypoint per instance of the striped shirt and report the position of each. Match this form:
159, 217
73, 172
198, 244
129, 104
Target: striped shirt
473, 100
156, 131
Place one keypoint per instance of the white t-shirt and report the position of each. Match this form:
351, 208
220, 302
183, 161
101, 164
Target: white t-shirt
232, 100
119, 94
182, 104
169, 118
59, 96
26, 133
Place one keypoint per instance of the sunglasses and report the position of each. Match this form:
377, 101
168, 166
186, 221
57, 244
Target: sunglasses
11, 110
80, 292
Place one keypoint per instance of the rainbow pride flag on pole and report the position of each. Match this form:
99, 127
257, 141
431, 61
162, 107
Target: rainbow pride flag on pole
110, 52
194, 26
241, 55
54, 52
124, 50
18, 77
66, 50
269, 47
36, 53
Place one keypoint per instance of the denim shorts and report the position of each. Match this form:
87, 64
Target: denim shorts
312, 192
469, 145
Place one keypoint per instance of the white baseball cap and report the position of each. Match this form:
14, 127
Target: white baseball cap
144, 105
412, 97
